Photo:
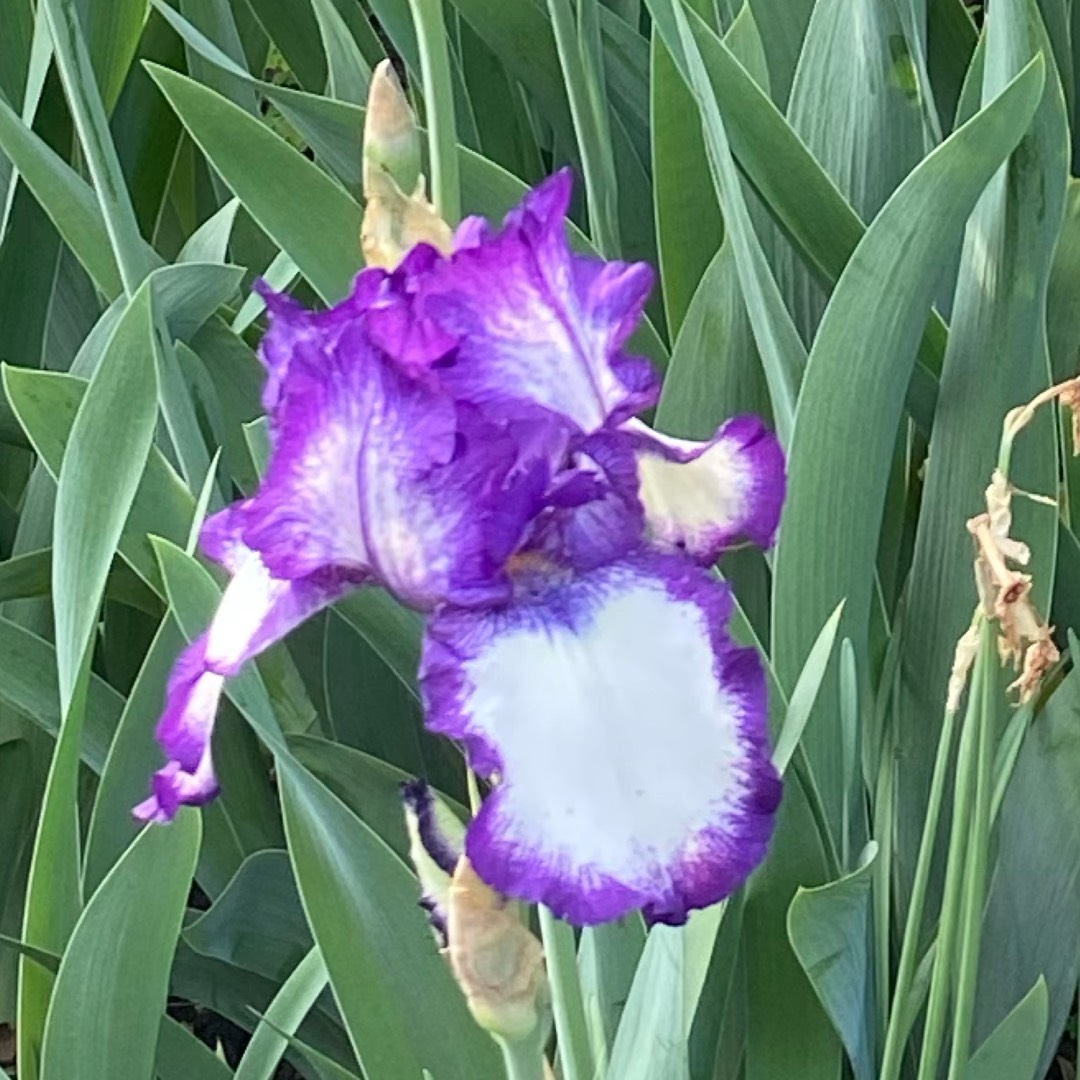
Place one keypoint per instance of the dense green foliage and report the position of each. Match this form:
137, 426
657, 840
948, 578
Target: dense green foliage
864, 227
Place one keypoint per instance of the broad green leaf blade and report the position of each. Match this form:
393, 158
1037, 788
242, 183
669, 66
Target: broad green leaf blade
122, 947
714, 372
112, 33
91, 122
805, 691
218, 20
861, 119
521, 37
182, 1056
46, 403
348, 73
368, 786
1012, 1050
652, 1040
849, 411
395, 992
209, 243
65, 196
798, 193
300, 208
951, 37
110, 440
28, 687
829, 929
782, 353
783, 26
295, 998
1063, 337
133, 757
608, 956
689, 226
53, 895
26, 575
1030, 933
582, 75
257, 923
996, 360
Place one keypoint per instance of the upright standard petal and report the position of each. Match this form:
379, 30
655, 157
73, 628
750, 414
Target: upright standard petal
375, 470
256, 610
538, 327
701, 497
625, 733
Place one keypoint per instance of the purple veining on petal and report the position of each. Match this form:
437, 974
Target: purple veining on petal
701, 497
627, 735
540, 328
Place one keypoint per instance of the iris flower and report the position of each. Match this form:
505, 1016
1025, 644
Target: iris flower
463, 431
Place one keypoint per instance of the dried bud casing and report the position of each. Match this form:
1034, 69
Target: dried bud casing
497, 962
1070, 398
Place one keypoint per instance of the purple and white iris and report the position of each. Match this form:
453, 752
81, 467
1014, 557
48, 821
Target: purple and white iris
462, 431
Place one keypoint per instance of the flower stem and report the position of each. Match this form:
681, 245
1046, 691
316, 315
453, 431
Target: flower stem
523, 1060
439, 106
896, 1035
941, 986
975, 877
568, 1005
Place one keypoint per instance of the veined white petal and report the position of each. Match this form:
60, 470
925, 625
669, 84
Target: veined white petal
627, 735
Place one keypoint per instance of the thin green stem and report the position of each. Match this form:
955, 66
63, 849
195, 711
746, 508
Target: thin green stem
884, 812
590, 125
896, 1035
523, 1060
938, 1006
567, 1001
475, 801
975, 878
439, 105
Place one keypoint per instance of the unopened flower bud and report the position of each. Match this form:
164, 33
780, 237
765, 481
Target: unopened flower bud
436, 841
395, 221
497, 962
391, 141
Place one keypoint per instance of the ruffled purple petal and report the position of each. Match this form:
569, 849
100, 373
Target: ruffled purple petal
593, 515
701, 497
376, 472
540, 328
256, 610
625, 733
